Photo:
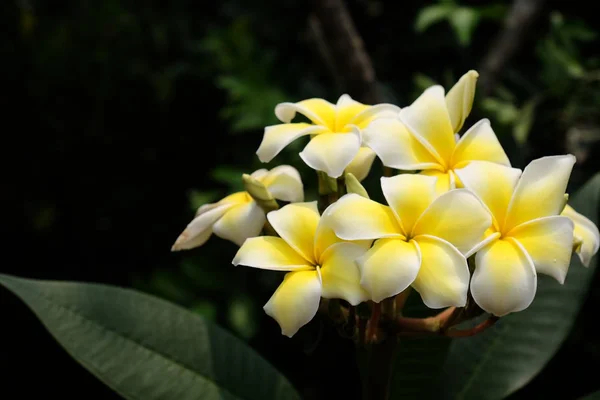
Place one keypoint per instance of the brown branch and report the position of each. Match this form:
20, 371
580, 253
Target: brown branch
340, 39
472, 331
517, 25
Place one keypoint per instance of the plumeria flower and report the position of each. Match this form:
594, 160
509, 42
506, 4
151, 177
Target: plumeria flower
424, 136
239, 216
423, 238
319, 264
335, 131
527, 234
586, 235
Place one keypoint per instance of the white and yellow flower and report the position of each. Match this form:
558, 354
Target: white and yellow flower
527, 235
335, 132
423, 238
586, 235
424, 136
238, 216
319, 264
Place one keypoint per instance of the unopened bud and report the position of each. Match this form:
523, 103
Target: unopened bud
259, 193
354, 186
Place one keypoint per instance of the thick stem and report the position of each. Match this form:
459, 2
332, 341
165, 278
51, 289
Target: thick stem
378, 371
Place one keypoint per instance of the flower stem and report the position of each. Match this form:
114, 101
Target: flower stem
377, 368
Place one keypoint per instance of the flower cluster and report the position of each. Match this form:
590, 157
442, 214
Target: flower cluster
458, 221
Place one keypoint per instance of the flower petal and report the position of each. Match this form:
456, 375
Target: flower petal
389, 267
199, 230
549, 243
259, 173
445, 180
240, 223
408, 196
331, 152
478, 175
479, 143
319, 111
284, 183
396, 147
296, 301
296, 223
347, 109
586, 234
340, 274
427, 118
443, 279
361, 164
459, 99
365, 117
458, 217
354, 217
269, 252
504, 280
276, 137
326, 237
541, 190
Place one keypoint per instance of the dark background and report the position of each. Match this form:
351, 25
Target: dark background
121, 117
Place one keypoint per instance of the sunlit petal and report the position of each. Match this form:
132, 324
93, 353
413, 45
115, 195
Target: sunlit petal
331, 152
586, 234
504, 280
427, 118
541, 189
408, 196
389, 267
493, 183
240, 223
458, 217
276, 137
354, 217
340, 274
284, 183
443, 279
296, 301
396, 147
199, 230
319, 111
361, 164
459, 99
549, 243
269, 252
479, 143
297, 224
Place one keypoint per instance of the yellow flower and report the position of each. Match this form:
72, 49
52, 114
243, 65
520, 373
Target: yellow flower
423, 238
586, 235
319, 264
423, 137
335, 131
238, 216
527, 234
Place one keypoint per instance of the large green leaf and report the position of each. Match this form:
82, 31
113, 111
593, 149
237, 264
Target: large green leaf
504, 358
145, 348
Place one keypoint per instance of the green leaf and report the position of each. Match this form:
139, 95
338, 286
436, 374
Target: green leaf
464, 21
507, 356
146, 348
592, 396
431, 15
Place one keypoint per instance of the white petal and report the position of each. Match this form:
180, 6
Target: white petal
396, 147
427, 118
586, 233
364, 118
479, 143
297, 223
240, 223
199, 230
296, 301
269, 252
259, 173
319, 111
443, 279
541, 190
504, 280
389, 267
361, 164
354, 217
276, 137
460, 99
340, 274
284, 183
549, 243
331, 152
